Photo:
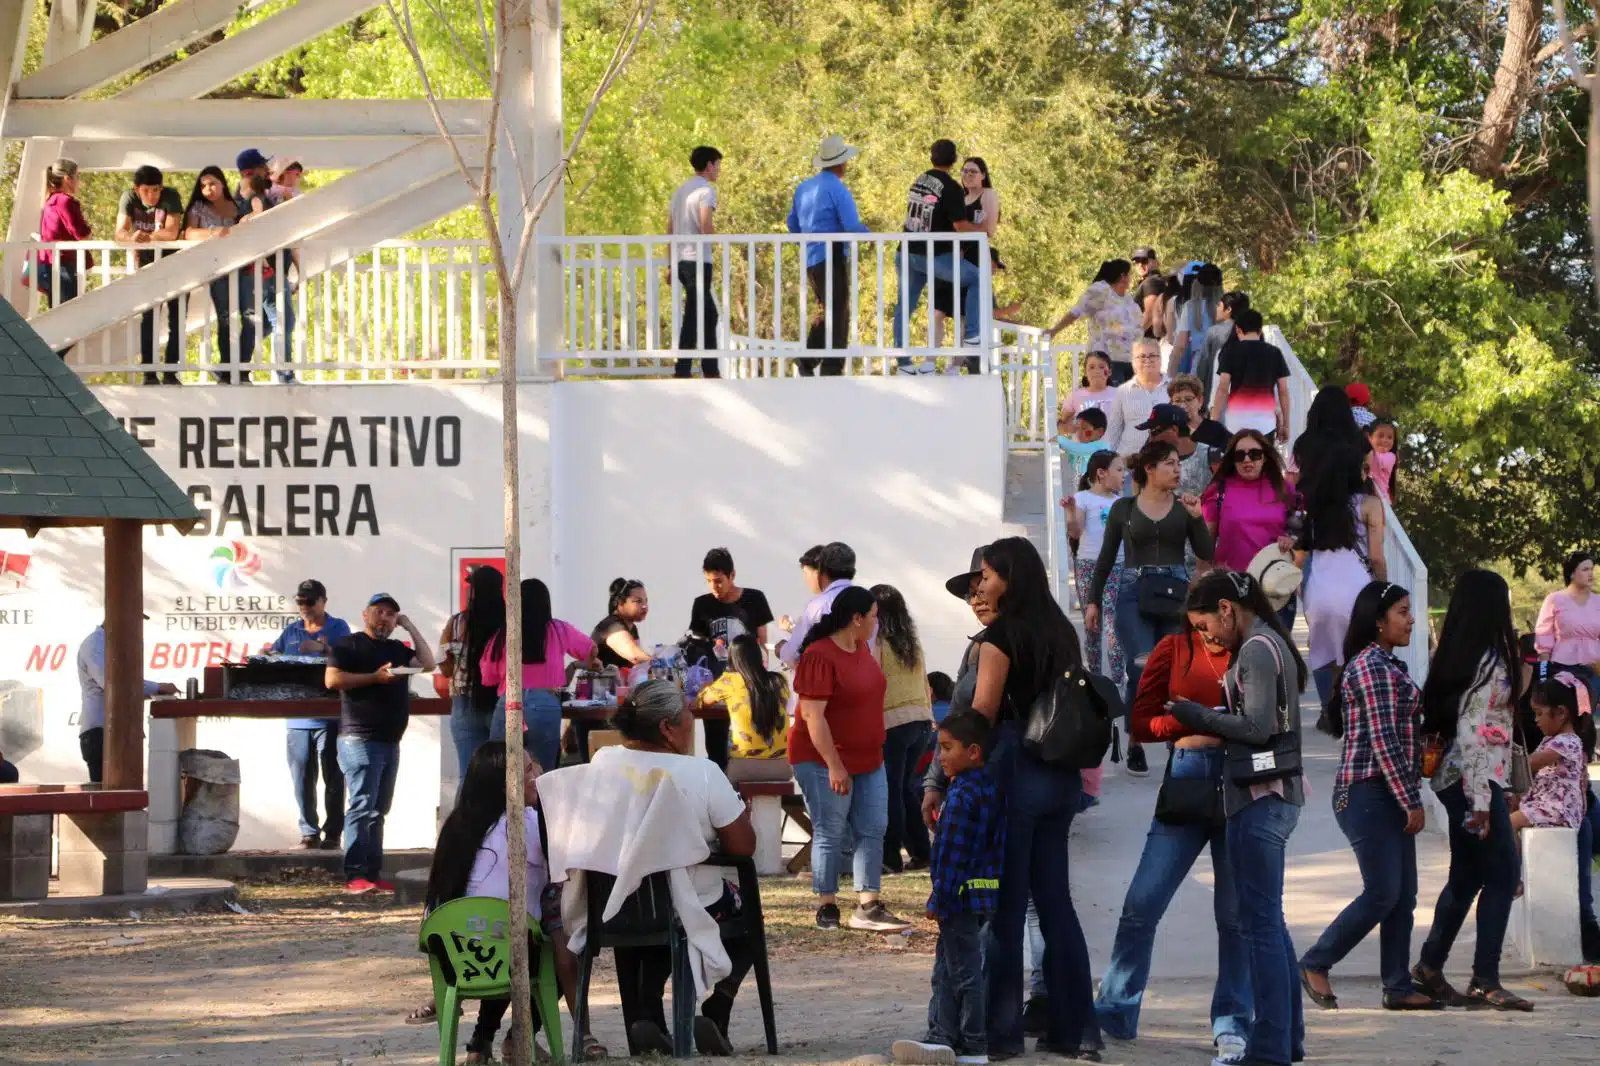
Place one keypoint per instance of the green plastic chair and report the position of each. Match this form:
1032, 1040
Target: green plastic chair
469, 957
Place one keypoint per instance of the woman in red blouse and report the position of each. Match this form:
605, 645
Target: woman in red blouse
1182, 666
836, 748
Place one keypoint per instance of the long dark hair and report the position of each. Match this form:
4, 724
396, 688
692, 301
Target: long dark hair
1372, 603
852, 602
195, 196
479, 805
1329, 423
621, 589
1244, 591
1330, 520
983, 167
1040, 636
1113, 270
535, 621
1271, 466
486, 616
1098, 462
1477, 625
764, 686
895, 627
1083, 378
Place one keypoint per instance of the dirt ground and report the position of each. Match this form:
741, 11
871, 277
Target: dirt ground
312, 977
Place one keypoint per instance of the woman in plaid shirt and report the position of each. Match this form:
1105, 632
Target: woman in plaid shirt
1377, 798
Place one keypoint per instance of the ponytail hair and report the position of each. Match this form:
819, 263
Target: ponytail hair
852, 602
1561, 689
1113, 270
1099, 462
1154, 453
621, 589
56, 174
1242, 590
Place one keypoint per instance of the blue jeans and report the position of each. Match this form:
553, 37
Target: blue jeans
1375, 824
1041, 803
1169, 854
1323, 677
915, 278
541, 725
269, 311
1588, 838
312, 751
902, 750
862, 817
1489, 865
1257, 837
955, 1011
369, 769
1140, 633
470, 729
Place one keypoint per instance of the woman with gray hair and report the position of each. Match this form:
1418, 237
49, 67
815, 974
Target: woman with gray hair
657, 730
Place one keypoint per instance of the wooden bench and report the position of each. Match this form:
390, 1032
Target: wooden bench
104, 839
769, 802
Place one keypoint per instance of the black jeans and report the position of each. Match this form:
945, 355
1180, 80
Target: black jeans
147, 341
819, 336
642, 975
956, 1011
1482, 868
717, 741
902, 750
92, 745
492, 1011
46, 276
697, 303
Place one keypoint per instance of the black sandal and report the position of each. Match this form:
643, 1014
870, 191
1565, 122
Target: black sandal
1394, 1002
1325, 1000
1433, 983
1498, 997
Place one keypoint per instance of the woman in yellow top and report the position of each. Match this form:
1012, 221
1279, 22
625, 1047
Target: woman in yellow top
758, 722
908, 729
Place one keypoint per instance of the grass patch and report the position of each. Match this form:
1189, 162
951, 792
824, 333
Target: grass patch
791, 914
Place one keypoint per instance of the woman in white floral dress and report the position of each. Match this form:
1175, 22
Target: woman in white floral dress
1115, 321
1470, 707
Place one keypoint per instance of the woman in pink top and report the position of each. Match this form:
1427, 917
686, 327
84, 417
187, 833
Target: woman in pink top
1568, 630
61, 220
1249, 505
1096, 390
544, 663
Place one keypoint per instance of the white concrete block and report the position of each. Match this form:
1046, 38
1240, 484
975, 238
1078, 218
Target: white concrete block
766, 817
1544, 922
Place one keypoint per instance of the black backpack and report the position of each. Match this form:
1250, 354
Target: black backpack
1069, 724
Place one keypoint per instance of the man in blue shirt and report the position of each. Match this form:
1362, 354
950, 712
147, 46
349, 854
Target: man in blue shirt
314, 742
823, 205
252, 165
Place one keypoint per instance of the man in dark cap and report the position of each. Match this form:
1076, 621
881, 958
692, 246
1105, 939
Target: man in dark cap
313, 743
1169, 422
1147, 293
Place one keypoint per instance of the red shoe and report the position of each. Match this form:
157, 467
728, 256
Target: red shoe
359, 886
383, 886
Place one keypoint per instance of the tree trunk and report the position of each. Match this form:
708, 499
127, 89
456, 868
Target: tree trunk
1513, 84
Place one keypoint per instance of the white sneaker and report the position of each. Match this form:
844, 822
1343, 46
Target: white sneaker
917, 1053
972, 1060
1230, 1050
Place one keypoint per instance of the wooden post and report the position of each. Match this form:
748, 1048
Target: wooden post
124, 591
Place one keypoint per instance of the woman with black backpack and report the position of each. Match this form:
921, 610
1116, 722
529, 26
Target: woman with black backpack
1025, 647
1262, 791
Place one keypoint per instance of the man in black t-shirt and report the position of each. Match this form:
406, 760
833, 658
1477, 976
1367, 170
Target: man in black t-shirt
374, 707
722, 614
1147, 294
152, 211
935, 204
1252, 381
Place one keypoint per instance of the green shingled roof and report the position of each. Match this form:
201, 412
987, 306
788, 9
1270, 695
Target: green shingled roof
63, 459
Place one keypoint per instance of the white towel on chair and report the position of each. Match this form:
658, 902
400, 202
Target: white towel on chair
628, 823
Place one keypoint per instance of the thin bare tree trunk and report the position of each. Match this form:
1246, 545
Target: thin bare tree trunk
1590, 83
1513, 86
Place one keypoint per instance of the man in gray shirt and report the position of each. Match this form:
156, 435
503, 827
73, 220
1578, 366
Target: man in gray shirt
92, 680
692, 213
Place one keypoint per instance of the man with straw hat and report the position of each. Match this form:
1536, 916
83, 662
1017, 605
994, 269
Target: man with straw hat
822, 204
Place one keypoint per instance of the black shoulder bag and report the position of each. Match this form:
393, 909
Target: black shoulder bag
1069, 724
1279, 759
1189, 800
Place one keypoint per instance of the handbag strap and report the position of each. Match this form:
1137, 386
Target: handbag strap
1283, 684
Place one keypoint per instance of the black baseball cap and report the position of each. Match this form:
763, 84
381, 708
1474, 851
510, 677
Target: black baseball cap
384, 598
311, 589
1140, 254
1163, 415
961, 584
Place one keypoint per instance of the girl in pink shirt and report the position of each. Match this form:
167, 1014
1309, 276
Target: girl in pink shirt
1568, 630
1384, 456
1096, 390
61, 220
543, 672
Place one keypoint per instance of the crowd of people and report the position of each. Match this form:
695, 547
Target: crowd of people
152, 211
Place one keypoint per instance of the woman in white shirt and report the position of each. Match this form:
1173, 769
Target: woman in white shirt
658, 734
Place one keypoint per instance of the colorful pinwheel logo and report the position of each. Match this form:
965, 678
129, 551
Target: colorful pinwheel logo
232, 563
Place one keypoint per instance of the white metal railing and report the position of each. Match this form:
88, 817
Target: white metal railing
1406, 567
384, 312
625, 302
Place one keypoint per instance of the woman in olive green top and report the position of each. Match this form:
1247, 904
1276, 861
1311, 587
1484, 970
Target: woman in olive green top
908, 727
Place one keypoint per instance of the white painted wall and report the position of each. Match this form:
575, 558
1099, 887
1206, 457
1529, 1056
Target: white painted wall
632, 479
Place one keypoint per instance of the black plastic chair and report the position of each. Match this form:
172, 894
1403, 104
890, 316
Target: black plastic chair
648, 919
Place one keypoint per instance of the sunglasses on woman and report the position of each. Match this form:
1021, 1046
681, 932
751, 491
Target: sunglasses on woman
1249, 455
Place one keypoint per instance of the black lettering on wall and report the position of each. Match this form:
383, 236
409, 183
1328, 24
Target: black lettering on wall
394, 441
417, 442
144, 440
200, 496
372, 422
263, 529
447, 441
234, 509
339, 441
277, 433
245, 460
299, 509
191, 443
305, 442
327, 510
221, 439
362, 511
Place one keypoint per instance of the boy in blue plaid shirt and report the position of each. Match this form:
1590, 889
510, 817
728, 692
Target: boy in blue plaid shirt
968, 849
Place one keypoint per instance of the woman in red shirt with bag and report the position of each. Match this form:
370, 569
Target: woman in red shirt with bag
836, 749
1188, 818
